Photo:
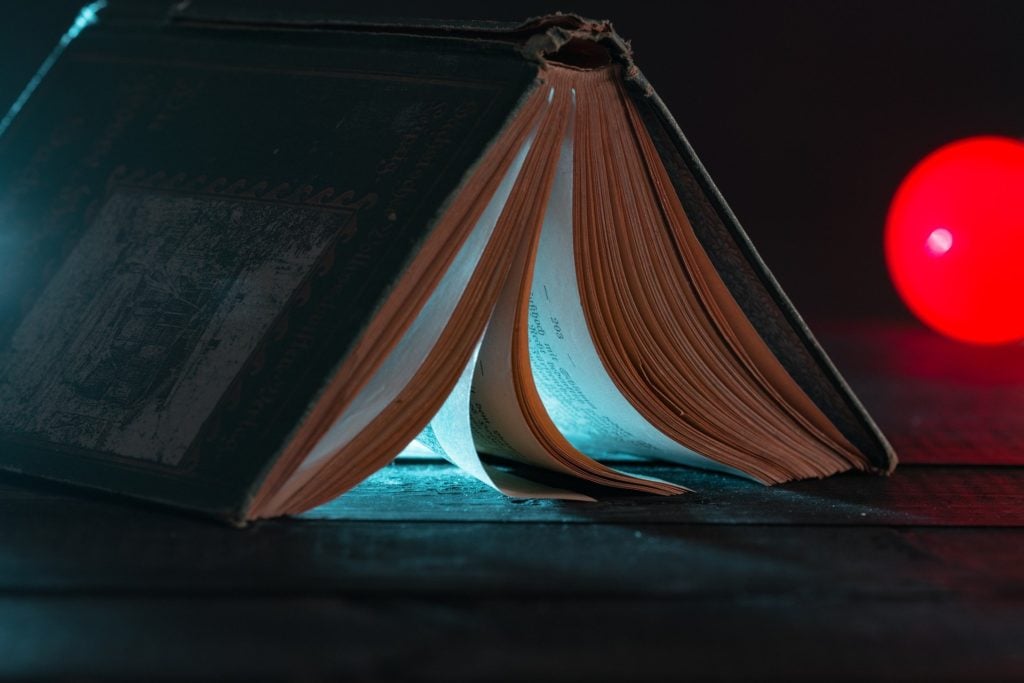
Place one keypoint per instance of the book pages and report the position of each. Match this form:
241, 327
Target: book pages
450, 436
580, 397
409, 354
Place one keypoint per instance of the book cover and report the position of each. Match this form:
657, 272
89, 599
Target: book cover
204, 204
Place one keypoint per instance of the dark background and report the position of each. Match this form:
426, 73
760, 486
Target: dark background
806, 113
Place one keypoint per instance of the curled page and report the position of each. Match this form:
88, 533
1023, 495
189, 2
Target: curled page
578, 394
510, 418
450, 436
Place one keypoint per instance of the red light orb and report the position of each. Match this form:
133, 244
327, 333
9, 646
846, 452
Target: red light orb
954, 240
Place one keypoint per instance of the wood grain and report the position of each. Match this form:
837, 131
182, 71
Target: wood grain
433, 491
55, 544
938, 401
288, 638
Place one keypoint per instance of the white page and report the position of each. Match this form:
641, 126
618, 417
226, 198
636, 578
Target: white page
450, 436
419, 340
577, 392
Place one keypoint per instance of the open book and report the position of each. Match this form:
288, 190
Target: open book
273, 251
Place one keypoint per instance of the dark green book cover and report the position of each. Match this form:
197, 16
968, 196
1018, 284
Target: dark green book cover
203, 205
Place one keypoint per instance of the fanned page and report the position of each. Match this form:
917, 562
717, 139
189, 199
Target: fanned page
578, 317
626, 341
352, 430
508, 415
396, 385
672, 337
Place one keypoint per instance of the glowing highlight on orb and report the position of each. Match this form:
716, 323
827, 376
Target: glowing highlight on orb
87, 16
939, 241
954, 240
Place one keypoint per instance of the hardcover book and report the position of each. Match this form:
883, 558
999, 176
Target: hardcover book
251, 255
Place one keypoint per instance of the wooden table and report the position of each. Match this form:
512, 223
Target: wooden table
422, 573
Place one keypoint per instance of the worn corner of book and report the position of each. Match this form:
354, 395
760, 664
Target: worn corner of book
236, 515
239, 521
887, 469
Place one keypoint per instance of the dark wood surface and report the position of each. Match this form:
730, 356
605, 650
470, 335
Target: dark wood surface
422, 573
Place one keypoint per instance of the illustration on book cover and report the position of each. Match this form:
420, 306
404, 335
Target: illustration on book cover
159, 313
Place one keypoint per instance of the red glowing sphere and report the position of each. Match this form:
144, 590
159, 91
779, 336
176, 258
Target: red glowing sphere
954, 240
